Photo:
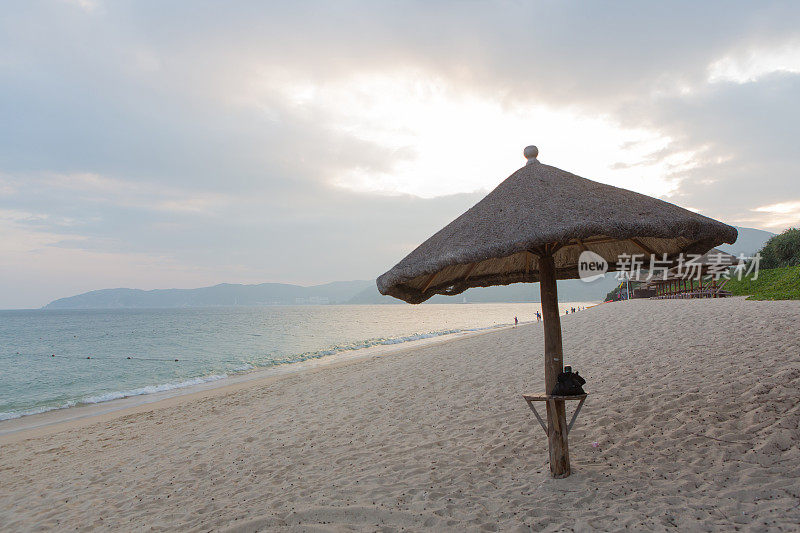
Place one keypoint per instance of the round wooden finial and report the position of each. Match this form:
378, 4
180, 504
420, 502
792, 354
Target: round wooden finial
531, 153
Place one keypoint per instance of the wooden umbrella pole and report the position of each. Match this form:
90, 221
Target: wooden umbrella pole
553, 366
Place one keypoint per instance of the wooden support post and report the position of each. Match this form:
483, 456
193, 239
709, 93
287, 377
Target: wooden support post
553, 366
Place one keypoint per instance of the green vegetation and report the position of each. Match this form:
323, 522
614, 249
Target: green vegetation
779, 274
782, 250
621, 289
614, 292
772, 284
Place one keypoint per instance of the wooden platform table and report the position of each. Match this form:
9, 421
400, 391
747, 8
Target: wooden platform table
551, 405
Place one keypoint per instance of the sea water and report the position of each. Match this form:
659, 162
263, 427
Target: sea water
51, 359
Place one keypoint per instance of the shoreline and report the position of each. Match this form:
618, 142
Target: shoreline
439, 438
36, 424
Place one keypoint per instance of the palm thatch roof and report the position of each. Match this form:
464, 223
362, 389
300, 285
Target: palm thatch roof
499, 240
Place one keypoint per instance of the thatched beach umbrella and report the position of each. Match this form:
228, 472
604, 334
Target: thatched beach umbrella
679, 280
533, 227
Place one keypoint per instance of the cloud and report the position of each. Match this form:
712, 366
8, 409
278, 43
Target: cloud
86, 5
311, 141
780, 215
749, 158
751, 65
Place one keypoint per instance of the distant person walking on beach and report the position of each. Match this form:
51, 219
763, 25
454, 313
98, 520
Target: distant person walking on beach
516, 321
538, 316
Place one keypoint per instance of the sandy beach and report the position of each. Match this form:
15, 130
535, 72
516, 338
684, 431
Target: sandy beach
693, 422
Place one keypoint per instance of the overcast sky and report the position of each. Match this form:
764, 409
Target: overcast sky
181, 144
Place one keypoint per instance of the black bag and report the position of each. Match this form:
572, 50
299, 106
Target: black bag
569, 383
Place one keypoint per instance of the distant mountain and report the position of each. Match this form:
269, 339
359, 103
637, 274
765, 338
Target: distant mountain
750, 241
353, 292
225, 294
569, 290
339, 292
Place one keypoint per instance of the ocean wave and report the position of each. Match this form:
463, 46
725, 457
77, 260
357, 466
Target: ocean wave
333, 350
116, 395
150, 389
9, 415
298, 358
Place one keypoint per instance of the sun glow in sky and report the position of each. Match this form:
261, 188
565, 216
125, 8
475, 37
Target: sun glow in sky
442, 139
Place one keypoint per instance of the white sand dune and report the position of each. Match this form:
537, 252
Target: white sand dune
694, 406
